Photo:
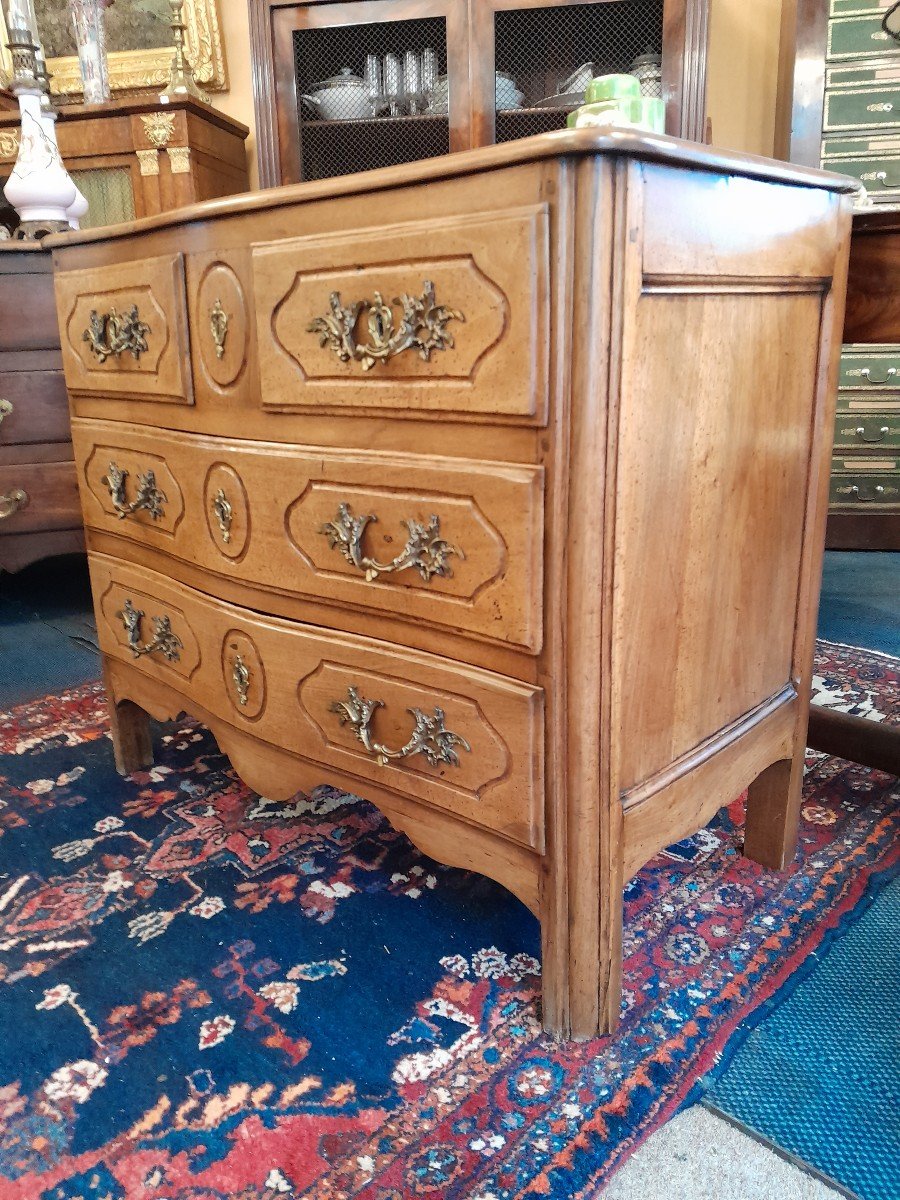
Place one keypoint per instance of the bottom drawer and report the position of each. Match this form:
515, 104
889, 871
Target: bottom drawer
871, 483
39, 496
449, 735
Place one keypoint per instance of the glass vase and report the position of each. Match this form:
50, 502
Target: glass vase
90, 37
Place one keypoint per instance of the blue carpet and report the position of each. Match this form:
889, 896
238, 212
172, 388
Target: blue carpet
861, 600
819, 1076
47, 631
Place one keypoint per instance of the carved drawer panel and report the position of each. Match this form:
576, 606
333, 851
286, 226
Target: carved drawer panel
458, 738
38, 496
125, 331
448, 316
452, 542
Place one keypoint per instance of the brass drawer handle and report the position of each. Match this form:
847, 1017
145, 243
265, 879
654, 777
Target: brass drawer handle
240, 674
112, 334
224, 514
148, 497
164, 641
218, 324
866, 495
866, 374
868, 436
425, 549
6, 409
429, 737
12, 502
423, 328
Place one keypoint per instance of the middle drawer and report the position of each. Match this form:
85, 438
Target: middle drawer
452, 542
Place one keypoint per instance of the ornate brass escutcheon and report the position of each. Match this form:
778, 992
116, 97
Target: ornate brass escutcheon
12, 502
6, 409
425, 549
112, 334
218, 324
423, 328
240, 673
224, 514
148, 497
429, 737
164, 640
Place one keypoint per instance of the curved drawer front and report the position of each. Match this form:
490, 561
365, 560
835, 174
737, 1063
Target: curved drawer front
125, 330
458, 738
38, 496
452, 542
449, 316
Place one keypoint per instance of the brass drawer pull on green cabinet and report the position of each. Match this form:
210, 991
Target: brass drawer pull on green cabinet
111, 335
164, 641
148, 498
868, 435
423, 328
429, 736
425, 549
12, 502
5, 409
867, 374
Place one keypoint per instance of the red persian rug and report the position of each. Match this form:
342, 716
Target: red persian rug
204, 994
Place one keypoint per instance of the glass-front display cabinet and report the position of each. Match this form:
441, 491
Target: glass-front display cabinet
342, 87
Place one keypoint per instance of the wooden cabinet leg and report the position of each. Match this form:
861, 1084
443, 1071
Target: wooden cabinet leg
773, 814
130, 727
581, 953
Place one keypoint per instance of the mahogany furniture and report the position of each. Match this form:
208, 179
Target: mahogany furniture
528, 556
39, 510
537, 44
136, 157
840, 108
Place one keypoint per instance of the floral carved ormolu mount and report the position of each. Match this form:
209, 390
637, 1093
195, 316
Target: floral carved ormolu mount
425, 549
423, 328
148, 497
429, 736
112, 334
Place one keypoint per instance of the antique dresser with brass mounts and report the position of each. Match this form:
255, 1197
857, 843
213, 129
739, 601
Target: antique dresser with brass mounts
433, 483
39, 511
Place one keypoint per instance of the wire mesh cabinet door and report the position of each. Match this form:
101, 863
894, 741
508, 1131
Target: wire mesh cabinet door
370, 83
531, 59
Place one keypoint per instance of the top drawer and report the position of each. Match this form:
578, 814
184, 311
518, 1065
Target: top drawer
870, 368
125, 330
859, 36
449, 316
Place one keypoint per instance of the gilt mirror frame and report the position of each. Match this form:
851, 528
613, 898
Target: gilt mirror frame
144, 70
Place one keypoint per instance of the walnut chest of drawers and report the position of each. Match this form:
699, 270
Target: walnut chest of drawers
490, 488
39, 510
